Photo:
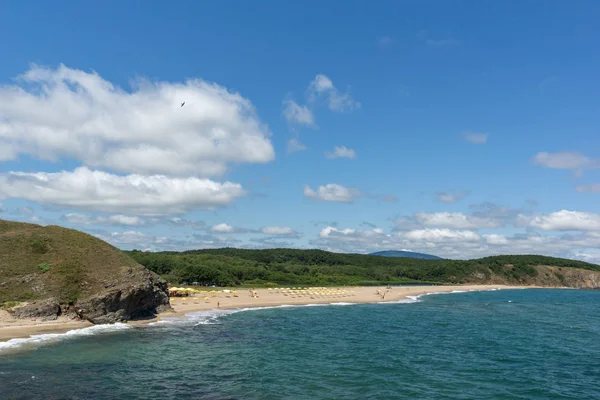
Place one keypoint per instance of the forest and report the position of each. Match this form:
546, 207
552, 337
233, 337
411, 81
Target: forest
273, 267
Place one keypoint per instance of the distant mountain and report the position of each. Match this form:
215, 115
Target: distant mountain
407, 254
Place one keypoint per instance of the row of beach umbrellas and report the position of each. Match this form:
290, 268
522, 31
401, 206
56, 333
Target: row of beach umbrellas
312, 292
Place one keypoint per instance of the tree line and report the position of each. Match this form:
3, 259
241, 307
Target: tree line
274, 267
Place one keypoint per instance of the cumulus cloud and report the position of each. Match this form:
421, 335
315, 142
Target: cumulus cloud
332, 192
118, 219
573, 161
441, 235
456, 221
294, 145
341, 152
295, 113
68, 113
132, 194
477, 138
269, 243
447, 197
459, 244
594, 188
389, 198
322, 88
181, 222
278, 230
133, 239
150, 242
482, 216
563, 220
223, 228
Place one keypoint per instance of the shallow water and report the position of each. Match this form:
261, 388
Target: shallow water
514, 344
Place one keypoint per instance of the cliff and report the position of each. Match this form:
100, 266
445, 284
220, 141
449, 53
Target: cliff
49, 271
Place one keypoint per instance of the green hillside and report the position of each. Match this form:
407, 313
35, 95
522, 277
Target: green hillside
230, 267
38, 262
52, 270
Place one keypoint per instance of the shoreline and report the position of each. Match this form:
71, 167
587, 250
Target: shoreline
11, 328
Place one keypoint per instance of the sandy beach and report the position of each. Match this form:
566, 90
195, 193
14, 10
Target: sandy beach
242, 298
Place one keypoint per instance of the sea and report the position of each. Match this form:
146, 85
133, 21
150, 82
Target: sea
505, 344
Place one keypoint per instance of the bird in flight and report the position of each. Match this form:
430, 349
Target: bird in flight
182, 104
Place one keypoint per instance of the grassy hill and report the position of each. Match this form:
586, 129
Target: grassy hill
408, 254
229, 266
69, 266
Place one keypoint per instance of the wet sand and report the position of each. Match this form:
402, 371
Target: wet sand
18, 328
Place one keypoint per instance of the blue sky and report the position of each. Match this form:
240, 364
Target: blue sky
462, 129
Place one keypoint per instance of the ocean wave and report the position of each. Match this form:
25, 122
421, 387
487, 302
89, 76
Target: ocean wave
211, 317
48, 338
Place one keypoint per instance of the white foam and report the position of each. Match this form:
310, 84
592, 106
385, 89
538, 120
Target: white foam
47, 338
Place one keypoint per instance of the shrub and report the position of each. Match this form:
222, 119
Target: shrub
39, 245
44, 267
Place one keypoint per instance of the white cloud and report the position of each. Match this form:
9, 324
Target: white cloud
294, 145
7, 152
277, 230
446, 197
477, 138
132, 194
332, 192
594, 188
341, 152
222, 228
133, 237
60, 113
572, 161
295, 113
118, 219
483, 216
181, 222
456, 221
439, 235
322, 87
495, 239
348, 235
563, 220
79, 219
459, 244
588, 255
149, 242
125, 220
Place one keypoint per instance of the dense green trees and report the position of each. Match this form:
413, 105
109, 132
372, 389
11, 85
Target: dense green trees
232, 267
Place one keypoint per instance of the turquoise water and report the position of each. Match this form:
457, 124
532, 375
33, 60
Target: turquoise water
517, 344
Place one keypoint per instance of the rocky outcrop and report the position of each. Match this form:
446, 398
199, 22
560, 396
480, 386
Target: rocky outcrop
48, 309
546, 276
143, 295
577, 278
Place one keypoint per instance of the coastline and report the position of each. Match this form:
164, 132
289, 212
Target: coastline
11, 328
